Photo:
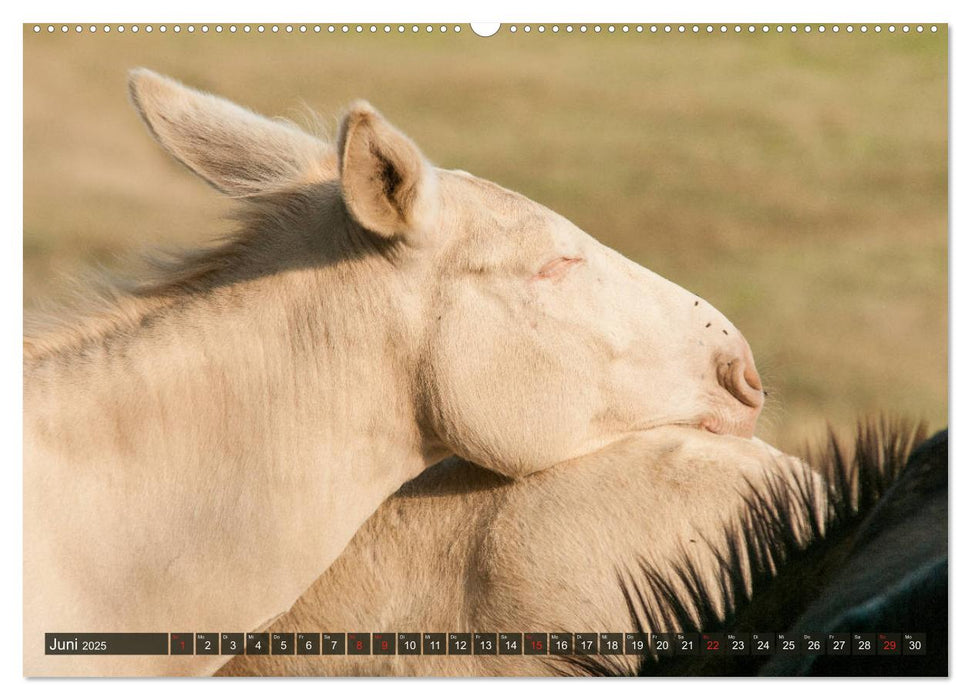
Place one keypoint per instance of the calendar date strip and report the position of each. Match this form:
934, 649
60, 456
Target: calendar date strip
484, 643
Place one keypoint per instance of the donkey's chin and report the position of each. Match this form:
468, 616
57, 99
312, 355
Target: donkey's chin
743, 427
708, 426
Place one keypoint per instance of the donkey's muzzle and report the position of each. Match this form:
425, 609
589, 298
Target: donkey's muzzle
738, 375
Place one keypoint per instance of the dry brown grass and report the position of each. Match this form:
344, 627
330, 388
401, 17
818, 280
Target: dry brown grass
799, 183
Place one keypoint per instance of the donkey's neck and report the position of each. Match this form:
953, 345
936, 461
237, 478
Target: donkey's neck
234, 443
244, 376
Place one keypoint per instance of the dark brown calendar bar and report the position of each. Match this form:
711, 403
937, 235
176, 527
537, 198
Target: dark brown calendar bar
663, 644
433, 643
488, 643
686, 643
511, 643
182, 644
207, 643
257, 643
384, 644
713, 644
636, 642
536, 643
231, 643
763, 643
283, 643
460, 643
333, 643
107, 643
738, 643
813, 644
485, 643
889, 644
611, 643
586, 643
359, 643
561, 643
308, 643
409, 643
914, 644
838, 644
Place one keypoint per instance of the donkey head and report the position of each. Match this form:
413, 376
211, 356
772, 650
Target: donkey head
532, 342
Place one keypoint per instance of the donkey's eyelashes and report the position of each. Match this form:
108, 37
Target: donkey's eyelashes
557, 267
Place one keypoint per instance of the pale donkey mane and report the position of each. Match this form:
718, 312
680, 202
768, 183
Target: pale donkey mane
100, 304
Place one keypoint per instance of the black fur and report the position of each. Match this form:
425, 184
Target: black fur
875, 560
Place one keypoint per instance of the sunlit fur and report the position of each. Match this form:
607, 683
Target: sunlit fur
664, 532
200, 447
461, 550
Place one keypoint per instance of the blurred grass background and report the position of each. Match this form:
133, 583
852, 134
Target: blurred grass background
797, 182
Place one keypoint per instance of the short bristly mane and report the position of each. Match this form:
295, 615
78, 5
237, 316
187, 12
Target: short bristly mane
783, 523
103, 304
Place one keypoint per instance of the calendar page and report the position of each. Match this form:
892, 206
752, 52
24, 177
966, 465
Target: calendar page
514, 349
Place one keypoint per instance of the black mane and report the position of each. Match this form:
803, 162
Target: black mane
872, 558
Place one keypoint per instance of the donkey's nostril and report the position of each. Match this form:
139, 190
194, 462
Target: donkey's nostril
751, 376
738, 375
742, 381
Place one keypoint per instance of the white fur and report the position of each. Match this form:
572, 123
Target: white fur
197, 453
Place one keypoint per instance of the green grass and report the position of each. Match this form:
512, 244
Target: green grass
799, 183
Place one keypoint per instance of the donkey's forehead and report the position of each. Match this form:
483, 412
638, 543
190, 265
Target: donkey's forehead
475, 190
484, 208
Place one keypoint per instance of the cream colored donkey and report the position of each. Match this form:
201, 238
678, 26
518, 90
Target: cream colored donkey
462, 550
199, 450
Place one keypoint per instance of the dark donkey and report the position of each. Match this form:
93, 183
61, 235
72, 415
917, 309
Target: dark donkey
876, 562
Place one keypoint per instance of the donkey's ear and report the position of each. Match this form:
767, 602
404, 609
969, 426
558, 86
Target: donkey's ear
238, 152
388, 185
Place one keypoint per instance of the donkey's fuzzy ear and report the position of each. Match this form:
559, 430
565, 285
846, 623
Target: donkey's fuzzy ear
235, 150
387, 184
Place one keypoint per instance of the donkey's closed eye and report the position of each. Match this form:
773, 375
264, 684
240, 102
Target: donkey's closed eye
556, 268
